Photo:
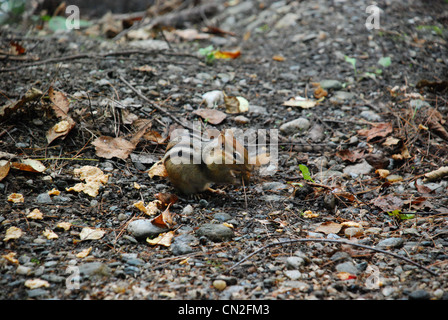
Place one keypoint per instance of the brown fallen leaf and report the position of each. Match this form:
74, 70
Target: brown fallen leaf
278, 58
163, 239
166, 199
109, 147
164, 220
60, 103
436, 174
388, 203
60, 129
158, 169
351, 156
329, 227
379, 130
4, 168
29, 165
8, 109
212, 116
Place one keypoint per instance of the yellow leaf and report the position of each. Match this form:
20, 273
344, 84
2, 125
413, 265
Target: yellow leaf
84, 253
91, 234
13, 233
64, 225
36, 283
49, 234
158, 169
16, 197
163, 239
11, 257
35, 214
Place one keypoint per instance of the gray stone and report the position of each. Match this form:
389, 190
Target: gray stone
43, 198
390, 243
295, 126
294, 262
331, 84
94, 268
293, 274
419, 295
358, 169
144, 228
215, 232
348, 267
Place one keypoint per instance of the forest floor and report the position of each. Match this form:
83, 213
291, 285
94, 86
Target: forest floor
372, 224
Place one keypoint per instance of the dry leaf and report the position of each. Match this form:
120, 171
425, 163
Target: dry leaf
191, 34
16, 198
227, 54
388, 203
29, 165
310, 214
84, 253
36, 283
391, 141
91, 234
109, 147
212, 116
151, 209
278, 58
94, 178
383, 173
13, 233
36, 214
146, 68
4, 168
436, 174
345, 276
348, 155
301, 102
60, 129
379, 130
64, 225
54, 192
329, 227
163, 220
11, 257
166, 199
163, 239
158, 169
154, 136
60, 105
49, 234
10, 108
236, 104
319, 93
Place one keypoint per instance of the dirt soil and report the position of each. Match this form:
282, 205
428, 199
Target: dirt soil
390, 116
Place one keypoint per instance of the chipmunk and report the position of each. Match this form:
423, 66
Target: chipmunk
195, 162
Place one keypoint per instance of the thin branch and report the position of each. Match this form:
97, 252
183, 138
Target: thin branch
154, 105
96, 56
333, 241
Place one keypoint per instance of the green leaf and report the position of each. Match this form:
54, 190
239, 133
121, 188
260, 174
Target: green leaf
401, 216
305, 172
352, 61
385, 61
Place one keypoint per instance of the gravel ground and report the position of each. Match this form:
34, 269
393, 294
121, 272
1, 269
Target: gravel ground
374, 116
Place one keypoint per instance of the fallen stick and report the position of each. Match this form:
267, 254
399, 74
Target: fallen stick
333, 241
95, 56
153, 104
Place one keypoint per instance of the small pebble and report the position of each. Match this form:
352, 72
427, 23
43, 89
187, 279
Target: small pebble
419, 295
219, 284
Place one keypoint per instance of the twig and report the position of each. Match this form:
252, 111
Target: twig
155, 105
96, 56
334, 241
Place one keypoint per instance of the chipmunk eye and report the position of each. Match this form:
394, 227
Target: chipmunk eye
237, 156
